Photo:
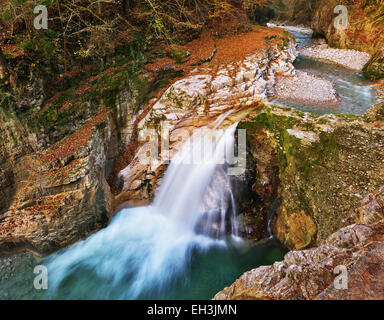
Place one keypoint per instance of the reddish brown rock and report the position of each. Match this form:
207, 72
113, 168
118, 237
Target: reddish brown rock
59, 194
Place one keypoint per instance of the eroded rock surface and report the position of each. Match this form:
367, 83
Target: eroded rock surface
311, 274
208, 97
326, 166
58, 195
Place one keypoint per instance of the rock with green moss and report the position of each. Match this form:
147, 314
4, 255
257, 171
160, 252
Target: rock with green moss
326, 166
374, 69
356, 250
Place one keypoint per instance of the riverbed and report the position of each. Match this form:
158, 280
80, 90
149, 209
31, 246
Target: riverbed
352, 92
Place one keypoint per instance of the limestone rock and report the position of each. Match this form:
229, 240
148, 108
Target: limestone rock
202, 99
324, 167
56, 196
311, 274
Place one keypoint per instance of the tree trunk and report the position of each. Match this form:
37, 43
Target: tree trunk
124, 6
127, 6
3, 65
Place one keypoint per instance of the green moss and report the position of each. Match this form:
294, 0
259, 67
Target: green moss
304, 159
292, 153
175, 98
347, 117
373, 73
374, 69
261, 120
155, 121
179, 55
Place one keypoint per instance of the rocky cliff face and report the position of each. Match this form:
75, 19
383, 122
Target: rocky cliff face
364, 32
326, 165
311, 274
56, 194
14, 142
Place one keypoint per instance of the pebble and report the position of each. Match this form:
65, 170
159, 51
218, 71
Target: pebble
304, 87
351, 59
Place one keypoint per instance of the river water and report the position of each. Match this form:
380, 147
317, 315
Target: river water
354, 90
177, 248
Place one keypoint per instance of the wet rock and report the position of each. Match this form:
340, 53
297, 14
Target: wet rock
311, 274
204, 99
324, 164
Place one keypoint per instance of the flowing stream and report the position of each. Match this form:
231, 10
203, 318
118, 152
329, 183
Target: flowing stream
355, 91
183, 246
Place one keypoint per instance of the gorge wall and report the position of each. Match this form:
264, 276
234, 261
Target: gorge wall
364, 32
309, 274
57, 161
326, 166
53, 182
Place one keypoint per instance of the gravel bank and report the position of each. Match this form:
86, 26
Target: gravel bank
350, 59
306, 88
298, 29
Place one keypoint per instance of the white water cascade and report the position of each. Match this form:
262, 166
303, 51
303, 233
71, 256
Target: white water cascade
144, 249
196, 186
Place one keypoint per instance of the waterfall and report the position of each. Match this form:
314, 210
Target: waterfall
145, 249
196, 190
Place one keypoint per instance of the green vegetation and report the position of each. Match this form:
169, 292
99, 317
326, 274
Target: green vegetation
91, 52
